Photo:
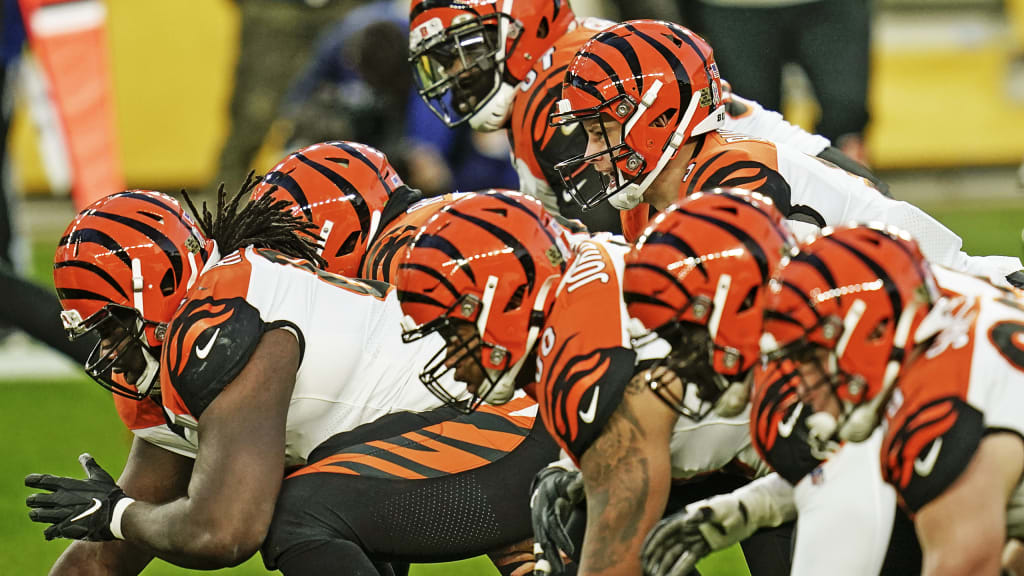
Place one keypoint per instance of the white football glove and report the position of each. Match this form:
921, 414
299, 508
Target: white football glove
678, 542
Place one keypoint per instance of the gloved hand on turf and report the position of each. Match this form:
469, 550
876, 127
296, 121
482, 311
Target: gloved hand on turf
76, 509
679, 541
556, 490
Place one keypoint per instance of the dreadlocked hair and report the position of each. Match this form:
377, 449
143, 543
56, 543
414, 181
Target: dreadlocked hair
263, 223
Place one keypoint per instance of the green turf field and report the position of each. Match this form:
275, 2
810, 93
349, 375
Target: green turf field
45, 425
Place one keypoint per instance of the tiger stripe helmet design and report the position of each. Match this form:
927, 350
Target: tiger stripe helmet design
660, 82
468, 56
697, 278
341, 187
127, 261
859, 293
490, 260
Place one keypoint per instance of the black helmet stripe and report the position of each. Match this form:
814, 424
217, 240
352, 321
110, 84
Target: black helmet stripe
895, 300
351, 150
610, 72
763, 212
441, 279
661, 271
358, 202
781, 317
628, 53
678, 68
678, 32
95, 270
752, 246
165, 244
156, 202
666, 239
94, 236
79, 294
284, 181
585, 85
520, 251
815, 262
417, 298
522, 208
447, 248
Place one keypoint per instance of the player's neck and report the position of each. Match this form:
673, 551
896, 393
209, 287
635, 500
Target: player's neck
665, 188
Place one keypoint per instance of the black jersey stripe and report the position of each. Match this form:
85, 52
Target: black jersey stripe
355, 197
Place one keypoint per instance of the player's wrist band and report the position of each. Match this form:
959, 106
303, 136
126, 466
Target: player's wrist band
115, 519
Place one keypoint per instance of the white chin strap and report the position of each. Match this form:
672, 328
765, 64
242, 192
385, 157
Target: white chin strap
495, 113
632, 194
145, 383
505, 388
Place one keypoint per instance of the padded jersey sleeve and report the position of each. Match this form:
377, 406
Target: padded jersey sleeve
583, 361
209, 340
778, 422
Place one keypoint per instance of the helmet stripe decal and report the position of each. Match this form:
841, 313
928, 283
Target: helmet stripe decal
351, 150
436, 275
94, 236
757, 206
447, 248
150, 199
677, 243
95, 270
660, 271
896, 301
358, 202
79, 294
628, 54
756, 250
678, 68
168, 247
576, 82
522, 208
520, 251
288, 184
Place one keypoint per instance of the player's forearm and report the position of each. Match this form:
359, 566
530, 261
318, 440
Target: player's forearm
182, 534
626, 477
100, 559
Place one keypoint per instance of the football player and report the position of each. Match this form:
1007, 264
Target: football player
522, 305
243, 360
859, 329
648, 95
498, 64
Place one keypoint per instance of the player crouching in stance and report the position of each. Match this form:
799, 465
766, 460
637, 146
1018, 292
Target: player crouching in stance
875, 337
267, 364
495, 276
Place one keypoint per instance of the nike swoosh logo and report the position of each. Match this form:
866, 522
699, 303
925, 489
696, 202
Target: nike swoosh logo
95, 506
924, 466
203, 351
591, 411
786, 426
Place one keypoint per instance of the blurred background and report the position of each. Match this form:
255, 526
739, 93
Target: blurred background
172, 94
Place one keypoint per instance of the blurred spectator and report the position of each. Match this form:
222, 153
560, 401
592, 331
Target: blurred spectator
358, 87
26, 306
828, 39
276, 39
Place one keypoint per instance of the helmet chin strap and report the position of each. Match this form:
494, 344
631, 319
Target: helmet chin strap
495, 113
145, 381
505, 387
631, 195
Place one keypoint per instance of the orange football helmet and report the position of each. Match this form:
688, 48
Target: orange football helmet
468, 56
696, 279
854, 295
121, 269
660, 82
489, 260
341, 187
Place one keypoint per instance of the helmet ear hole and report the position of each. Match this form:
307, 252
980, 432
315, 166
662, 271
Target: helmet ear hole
167, 284
543, 28
662, 120
349, 244
516, 300
749, 299
879, 330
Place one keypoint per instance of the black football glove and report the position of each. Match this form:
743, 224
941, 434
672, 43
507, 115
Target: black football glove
1016, 279
556, 490
76, 509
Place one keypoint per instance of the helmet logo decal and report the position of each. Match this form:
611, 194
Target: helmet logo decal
192, 245
554, 255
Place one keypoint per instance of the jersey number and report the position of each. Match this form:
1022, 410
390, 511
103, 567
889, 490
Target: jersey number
1008, 338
